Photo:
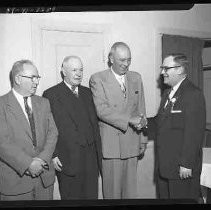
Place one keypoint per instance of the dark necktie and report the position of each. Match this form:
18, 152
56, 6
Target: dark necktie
31, 120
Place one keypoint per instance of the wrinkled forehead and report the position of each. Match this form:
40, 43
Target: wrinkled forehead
169, 61
30, 69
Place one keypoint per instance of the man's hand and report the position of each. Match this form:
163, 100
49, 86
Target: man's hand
142, 123
44, 164
142, 150
138, 122
57, 164
35, 168
185, 173
134, 121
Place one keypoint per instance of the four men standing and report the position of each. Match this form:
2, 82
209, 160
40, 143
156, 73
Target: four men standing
28, 133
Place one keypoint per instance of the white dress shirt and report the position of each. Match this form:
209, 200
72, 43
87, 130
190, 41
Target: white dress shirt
20, 99
120, 79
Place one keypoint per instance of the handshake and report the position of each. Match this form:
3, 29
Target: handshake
138, 122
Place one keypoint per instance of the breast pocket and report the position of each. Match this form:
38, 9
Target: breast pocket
177, 120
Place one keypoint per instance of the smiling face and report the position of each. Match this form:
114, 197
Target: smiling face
73, 71
171, 75
121, 59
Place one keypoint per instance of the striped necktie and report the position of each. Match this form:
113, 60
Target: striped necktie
31, 120
123, 88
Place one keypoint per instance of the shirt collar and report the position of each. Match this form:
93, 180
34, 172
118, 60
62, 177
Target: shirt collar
175, 88
18, 95
70, 86
20, 99
118, 77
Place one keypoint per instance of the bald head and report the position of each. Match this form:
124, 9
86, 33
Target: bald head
72, 69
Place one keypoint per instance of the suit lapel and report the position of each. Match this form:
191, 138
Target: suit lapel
67, 98
88, 106
163, 100
114, 85
162, 114
16, 109
130, 88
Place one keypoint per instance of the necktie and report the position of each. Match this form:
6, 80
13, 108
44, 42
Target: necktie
168, 101
123, 88
31, 120
73, 88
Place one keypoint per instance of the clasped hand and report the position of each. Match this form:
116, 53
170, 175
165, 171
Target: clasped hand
36, 167
138, 122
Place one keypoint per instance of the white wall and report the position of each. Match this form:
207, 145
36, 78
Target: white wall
140, 29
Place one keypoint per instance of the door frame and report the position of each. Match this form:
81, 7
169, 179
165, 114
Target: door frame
39, 25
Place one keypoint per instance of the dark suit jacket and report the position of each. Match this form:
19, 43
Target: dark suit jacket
16, 148
179, 131
71, 133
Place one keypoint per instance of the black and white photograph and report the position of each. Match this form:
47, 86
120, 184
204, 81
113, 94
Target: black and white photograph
105, 104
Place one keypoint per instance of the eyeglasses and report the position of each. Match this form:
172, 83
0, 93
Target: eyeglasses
166, 68
33, 78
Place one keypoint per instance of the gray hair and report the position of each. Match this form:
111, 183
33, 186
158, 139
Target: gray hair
17, 68
113, 49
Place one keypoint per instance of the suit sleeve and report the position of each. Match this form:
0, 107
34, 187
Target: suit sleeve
195, 121
105, 111
51, 136
11, 153
141, 107
97, 136
151, 128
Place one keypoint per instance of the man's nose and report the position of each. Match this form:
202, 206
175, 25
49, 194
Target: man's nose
79, 73
126, 63
162, 71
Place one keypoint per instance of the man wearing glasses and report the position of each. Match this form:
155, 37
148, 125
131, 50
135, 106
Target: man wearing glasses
28, 136
179, 132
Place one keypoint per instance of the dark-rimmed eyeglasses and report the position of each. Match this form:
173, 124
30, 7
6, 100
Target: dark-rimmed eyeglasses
166, 68
33, 78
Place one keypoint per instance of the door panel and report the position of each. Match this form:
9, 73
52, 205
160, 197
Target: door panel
58, 44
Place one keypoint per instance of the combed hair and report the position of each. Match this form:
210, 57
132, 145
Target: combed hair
113, 49
180, 59
67, 58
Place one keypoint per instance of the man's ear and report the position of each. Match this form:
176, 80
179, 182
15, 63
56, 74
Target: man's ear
180, 70
111, 59
63, 72
17, 80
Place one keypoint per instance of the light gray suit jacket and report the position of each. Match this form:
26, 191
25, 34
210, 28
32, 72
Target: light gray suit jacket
119, 140
16, 148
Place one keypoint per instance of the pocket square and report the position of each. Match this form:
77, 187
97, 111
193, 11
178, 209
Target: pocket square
176, 111
136, 92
